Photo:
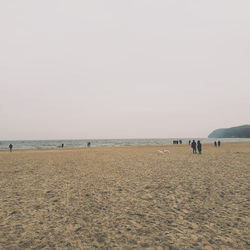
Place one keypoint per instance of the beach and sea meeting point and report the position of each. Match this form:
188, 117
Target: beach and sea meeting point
124, 125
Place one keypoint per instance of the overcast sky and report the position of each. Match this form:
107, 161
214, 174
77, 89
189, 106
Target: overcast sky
123, 69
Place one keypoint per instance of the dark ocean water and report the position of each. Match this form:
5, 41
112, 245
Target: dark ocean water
43, 144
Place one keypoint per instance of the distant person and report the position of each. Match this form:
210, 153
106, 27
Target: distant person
89, 144
62, 145
189, 142
10, 147
215, 144
193, 146
219, 143
199, 147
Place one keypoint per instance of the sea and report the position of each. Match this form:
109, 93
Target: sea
50, 144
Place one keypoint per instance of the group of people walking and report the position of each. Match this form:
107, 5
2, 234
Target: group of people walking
196, 146
217, 144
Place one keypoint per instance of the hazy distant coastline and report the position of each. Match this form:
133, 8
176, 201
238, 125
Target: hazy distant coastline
233, 132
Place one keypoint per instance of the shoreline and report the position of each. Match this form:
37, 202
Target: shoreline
114, 146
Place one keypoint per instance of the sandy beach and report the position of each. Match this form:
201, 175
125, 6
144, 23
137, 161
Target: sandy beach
126, 198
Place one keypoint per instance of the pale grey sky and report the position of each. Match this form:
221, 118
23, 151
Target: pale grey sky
123, 69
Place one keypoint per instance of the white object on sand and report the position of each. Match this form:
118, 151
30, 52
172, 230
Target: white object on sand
164, 151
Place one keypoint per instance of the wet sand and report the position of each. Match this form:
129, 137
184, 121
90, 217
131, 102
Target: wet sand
126, 198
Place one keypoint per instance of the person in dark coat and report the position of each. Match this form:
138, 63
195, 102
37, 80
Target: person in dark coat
199, 147
219, 143
10, 147
193, 146
215, 144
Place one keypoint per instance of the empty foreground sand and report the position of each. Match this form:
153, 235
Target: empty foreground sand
125, 198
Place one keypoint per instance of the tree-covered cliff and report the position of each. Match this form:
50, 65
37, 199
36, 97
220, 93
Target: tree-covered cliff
234, 132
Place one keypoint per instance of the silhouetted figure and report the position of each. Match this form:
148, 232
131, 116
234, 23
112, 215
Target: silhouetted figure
215, 144
180, 141
189, 142
199, 147
89, 144
10, 147
219, 143
62, 145
193, 146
